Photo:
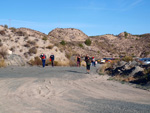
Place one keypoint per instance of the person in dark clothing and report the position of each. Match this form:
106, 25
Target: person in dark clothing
78, 61
43, 58
52, 57
86, 57
88, 63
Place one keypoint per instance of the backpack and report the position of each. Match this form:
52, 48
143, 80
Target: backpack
43, 56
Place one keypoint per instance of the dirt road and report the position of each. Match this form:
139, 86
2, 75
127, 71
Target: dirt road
67, 90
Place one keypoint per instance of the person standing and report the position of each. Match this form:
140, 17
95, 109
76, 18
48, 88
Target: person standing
43, 58
93, 61
52, 57
78, 61
88, 63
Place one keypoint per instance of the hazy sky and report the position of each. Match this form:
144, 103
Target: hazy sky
93, 17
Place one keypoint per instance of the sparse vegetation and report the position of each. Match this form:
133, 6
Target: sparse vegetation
2, 32
33, 50
13, 29
44, 38
81, 45
3, 52
2, 63
127, 58
68, 55
6, 26
49, 47
31, 42
125, 34
36, 61
20, 33
88, 42
63, 42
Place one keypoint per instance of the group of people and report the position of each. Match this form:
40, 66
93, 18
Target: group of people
87, 59
43, 58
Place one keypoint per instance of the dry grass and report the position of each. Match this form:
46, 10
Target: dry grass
3, 52
36, 61
2, 63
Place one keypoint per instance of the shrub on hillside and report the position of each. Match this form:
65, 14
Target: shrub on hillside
81, 45
12, 29
68, 55
49, 47
20, 33
2, 63
44, 38
32, 50
125, 34
127, 58
6, 26
3, 52
31, 42
36, 61
63, 42
88, 42
2, 32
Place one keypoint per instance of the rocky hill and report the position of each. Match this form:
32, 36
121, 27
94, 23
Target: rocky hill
66, 43
68, 34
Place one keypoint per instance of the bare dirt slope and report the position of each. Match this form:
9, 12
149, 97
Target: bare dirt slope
66, 90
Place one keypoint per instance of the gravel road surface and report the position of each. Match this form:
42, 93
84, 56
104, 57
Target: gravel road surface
67, 90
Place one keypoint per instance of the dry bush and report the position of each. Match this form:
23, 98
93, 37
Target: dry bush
31, 42
2, 32
44, 38
127, 58
20, 33
36, 61
68, 55
33, 50
12, 29
104, 67
49, 47
2, 63
3, 52
27, 45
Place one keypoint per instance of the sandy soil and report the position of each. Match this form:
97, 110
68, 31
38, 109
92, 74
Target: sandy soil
67, 90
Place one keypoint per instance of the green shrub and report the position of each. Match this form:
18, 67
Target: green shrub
125, 34
63, 42
6, 26
88, 42
81, 45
